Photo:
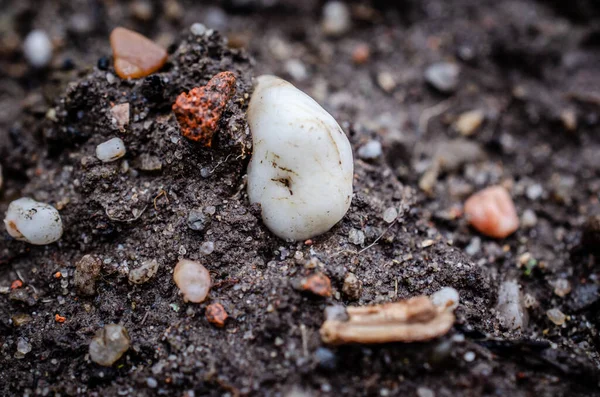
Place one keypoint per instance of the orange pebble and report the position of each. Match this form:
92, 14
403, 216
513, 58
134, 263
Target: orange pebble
57, 275
216, 314
318, 284
59, 319
199, 111
361, 54
492, 212
135, 55
16, 284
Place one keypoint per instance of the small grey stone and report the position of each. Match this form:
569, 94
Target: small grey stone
356, 237
197, 220
370, 150
443, 76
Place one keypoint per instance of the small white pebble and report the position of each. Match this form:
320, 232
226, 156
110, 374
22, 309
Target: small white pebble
390, 215
370, 150
425, 392
534, 191
447, 297
37, 48
110, 150
34, 222
469, 356
336, 18
207, 247
110, 78
198, 29
296, 70
529, 219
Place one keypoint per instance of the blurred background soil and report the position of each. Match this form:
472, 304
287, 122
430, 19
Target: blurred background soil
527, 70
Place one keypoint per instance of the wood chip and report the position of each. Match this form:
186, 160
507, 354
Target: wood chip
412, 320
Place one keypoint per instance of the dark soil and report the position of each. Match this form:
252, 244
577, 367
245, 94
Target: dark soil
528, 65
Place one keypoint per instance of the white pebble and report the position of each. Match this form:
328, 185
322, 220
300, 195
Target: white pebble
34, 222
296, 70
390, 215
207, 247
336, 18
301, 169
370, 150
447, 297
192, 279
469, 356
37, 48
110, 150
510, 306
198, 29
528, 219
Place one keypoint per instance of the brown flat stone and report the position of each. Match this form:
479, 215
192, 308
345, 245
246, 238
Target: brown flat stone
135, 55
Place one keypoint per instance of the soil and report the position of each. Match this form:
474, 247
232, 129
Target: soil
531, 67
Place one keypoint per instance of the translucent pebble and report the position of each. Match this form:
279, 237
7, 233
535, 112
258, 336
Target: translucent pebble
192, 279
110, 150
370, 150
447, 297
390, 214
37, 48
207, 247
556, 316
109, 344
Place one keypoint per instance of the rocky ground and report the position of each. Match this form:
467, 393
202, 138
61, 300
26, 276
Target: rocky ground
527, 73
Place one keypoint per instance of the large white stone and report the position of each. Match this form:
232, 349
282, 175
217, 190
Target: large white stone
34, 222
301, 168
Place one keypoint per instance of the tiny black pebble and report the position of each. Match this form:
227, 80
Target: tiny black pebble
68, 64
103, 63
153, 88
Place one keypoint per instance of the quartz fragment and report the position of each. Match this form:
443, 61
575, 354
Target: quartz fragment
109, 344
556, 316
134, 55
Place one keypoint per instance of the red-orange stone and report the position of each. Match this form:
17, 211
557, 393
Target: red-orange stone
135, 55
492, 212
318, 284
216, 314
199, 111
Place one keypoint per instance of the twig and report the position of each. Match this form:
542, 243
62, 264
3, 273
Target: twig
432, 112
378, 238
